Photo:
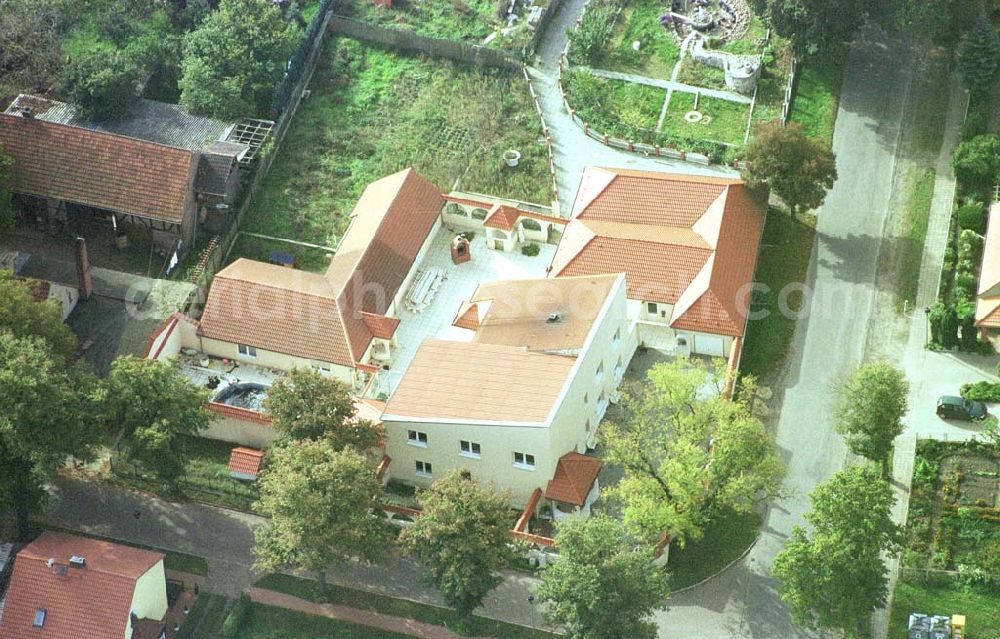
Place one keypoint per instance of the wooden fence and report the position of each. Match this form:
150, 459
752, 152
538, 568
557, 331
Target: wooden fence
786, 102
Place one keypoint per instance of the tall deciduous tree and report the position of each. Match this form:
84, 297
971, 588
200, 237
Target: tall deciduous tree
686, 452
24, 317
814, 26
30, 42
869, 410
156, 407
462, 538
979, 55
323, 506
45, 416
797, 169
306, 405
834, 576
104, 84
604, 586
235, 58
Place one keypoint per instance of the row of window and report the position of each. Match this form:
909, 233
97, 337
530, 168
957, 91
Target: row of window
251, 351
466, 448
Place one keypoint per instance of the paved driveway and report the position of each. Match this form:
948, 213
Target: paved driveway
828, 343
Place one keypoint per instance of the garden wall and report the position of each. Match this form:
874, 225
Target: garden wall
437, 47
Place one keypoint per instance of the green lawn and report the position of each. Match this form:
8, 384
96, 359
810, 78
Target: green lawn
363, 600
784, 259
206, 478
726, 538
724, 121
977, 603
268, 622
931, 106
373, 112
658, 51
919, 188
206, 617
468, 21
701, 75
814, 104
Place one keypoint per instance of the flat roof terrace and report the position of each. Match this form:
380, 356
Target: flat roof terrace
457, 285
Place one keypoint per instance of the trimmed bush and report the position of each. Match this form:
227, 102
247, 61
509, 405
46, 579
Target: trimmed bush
530, 250
981, 391
972, 216
236, 618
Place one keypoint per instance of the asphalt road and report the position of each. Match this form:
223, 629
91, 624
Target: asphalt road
829, 342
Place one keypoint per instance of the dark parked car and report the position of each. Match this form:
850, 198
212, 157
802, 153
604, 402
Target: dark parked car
952, 407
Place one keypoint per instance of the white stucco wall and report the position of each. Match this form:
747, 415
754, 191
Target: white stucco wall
496, 463
567, 424
149, 599
271, 359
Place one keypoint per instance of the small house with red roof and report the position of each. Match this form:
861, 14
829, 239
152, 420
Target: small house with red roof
69, 587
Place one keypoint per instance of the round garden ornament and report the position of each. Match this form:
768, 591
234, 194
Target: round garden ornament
693, 116
511, 157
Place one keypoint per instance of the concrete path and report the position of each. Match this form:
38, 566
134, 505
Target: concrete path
574, 150
672, 85
828, 343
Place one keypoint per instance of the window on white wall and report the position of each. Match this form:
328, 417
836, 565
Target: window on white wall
600, 371
524, 460
423, 468
416, 438
469, 449
530, 224
323, 367
617, 337
248, 351
651, 308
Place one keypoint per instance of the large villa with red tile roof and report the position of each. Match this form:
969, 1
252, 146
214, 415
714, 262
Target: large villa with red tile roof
470, 352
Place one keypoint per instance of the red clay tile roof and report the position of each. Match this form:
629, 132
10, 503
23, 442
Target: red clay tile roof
380, 326
574, 477
988, 302
98, 169
245, 461
238, 412
689, 241
92, 602
501, 216
323, 317
468, 316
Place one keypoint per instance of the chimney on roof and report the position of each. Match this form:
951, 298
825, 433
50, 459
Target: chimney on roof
27, 112
76, 561
553, 317
50, 562
84, 282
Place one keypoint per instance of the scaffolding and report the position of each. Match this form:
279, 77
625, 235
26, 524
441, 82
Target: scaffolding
253, 133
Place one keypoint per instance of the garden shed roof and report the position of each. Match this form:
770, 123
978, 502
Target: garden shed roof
98, 169
573, 479
689, 241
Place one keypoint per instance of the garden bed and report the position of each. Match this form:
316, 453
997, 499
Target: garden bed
630, 111
658, 51
954, 521
373, 112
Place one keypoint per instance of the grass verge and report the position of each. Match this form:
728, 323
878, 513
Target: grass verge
658, 49
815, 103
726, 537
206, 617
269, 622
784, 260
373, 112
363, 600
919, 188
977, 603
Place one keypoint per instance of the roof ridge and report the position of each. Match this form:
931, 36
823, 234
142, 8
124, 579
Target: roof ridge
99, 132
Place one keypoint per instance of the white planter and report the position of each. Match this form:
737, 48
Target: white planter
511, 157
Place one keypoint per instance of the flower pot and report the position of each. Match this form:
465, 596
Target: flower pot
511, 157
